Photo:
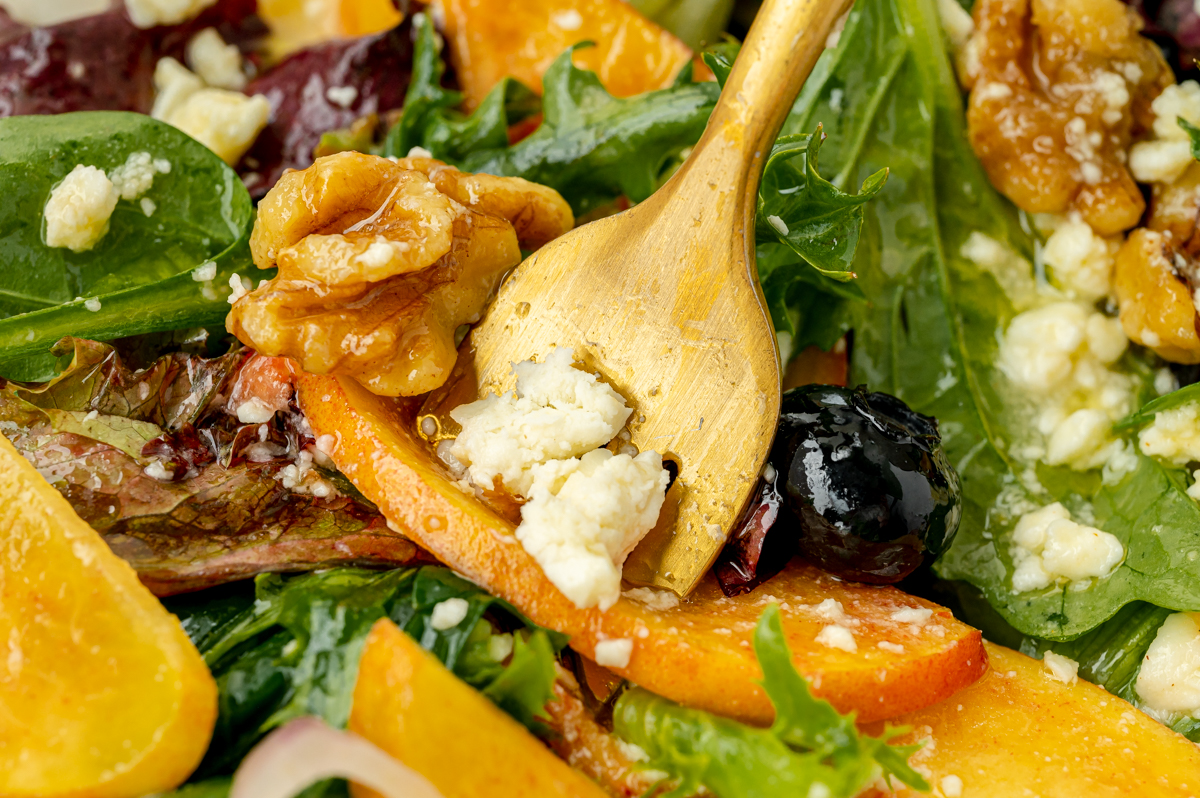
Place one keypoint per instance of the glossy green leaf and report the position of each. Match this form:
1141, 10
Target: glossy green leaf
928, 331
292, 646
142, 271
697, 22
811, 749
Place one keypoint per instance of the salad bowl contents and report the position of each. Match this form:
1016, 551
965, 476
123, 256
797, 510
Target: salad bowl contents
320, 476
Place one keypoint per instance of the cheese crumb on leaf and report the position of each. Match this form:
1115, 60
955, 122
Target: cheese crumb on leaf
1048, 546
79, 208
1169, 679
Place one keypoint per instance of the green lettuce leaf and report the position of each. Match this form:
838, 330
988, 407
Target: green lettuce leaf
292, 647
810, 750
928, 333
143, 272
1145, 414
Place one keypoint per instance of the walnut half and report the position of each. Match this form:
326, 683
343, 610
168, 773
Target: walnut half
1059, 90
380, 261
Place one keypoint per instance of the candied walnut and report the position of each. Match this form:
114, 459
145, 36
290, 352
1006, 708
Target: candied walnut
378, 268
1174, 208
1059, 90
1155, 297
538, 213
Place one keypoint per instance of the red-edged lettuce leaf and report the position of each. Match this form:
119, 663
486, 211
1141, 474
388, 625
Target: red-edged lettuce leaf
229, 512
103, 62
377, 67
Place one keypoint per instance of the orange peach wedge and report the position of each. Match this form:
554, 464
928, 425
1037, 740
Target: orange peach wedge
632, 54
1019, 731
412, 707
101, 692
903, 654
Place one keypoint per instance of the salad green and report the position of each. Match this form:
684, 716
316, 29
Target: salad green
810, 749
145, 274
928, 333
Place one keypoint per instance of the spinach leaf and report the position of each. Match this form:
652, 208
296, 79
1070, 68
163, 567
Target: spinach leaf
810, 750
292, 646
145, 273
928, 332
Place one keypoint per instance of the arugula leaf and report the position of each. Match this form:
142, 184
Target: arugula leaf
928, 332
143, 272
806, 212
1193, 134
292, 647
429, 120
810, 750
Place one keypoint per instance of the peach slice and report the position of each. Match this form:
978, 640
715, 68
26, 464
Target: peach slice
411, 706
909, 653
1018, 731
101, 692
632, 54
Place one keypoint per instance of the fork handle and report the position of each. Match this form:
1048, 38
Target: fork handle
785, 41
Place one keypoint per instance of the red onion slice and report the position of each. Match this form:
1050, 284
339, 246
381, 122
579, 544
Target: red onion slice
305, 751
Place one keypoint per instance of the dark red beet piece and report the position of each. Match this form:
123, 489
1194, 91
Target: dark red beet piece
751, 556
377, 67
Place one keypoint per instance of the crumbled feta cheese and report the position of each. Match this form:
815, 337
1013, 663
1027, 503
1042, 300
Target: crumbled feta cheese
831, 610
1049, 546
156, 470
1063, 669
1013, 272
150, 13
893, 648
584, 516
952, 786
448, 614
569, 19
148, 206
657, 600
1174, 101
40, 14
1081, 261
133, 178
254, 411
1169, 680
419, 152
218, 64
914, 615
238, 287
1039, 347
956, 22
614, 653
1194, 489
92, 305
79, 208
499, 647
1159, 161
1078, 438
836, 636
779, 225
557, 412
343, 96
1174, 435
227, 122
205, 271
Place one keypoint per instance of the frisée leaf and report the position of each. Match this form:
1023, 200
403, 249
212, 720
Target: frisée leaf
810, 750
